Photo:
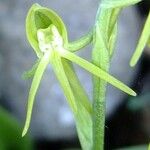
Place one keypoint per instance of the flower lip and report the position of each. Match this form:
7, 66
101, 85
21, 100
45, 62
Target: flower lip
49, 39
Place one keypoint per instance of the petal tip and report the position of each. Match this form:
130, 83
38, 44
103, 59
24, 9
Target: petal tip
24, 132
132, 63
134, 93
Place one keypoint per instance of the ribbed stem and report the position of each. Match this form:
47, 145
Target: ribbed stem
99, 115
101, 59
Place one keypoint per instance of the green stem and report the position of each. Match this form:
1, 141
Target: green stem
101, 59
99, 108
99, 116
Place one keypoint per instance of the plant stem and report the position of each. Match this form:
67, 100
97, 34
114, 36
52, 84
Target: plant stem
99, 115
101, 59
99, 109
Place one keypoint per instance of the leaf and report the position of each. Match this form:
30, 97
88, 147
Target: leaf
97, 71
10, 130
112, 30
107, 29
113, 19
118, 3
149, 147
40, 18
29, 74
34, 87
112, 40
142, 42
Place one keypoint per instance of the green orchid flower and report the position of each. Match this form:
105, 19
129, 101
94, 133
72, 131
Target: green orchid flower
83, 117
143, 41
47, 35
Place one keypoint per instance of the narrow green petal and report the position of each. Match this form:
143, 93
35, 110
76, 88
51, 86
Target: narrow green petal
76, 86
61, 76
30, 73
97, 71
33, 90
83, 117
142, 42
80, 43
118, 3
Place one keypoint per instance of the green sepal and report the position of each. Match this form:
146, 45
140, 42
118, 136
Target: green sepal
40, 17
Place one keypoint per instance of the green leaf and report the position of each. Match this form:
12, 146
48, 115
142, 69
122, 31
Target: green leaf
10, 131
112, 40
112, 29
107, 24
113, 19
34, 87
97, 72
40, 18
118, 3
149, 147
142, 42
